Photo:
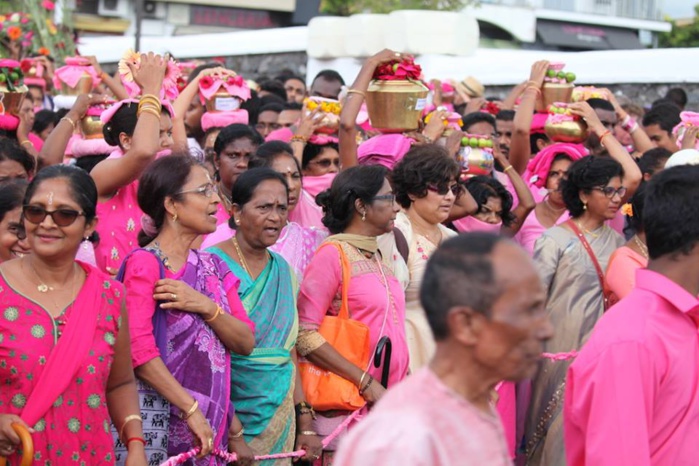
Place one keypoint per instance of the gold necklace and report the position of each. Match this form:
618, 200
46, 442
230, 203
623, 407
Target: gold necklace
41, 287
642, 246
585, 230
552, 209
243, 262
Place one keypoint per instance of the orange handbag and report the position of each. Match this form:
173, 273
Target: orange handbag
326, 390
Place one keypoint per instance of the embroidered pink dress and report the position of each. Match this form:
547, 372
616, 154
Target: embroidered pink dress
118, 227
76, 429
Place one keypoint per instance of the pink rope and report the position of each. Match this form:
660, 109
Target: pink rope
231, 457
560, 356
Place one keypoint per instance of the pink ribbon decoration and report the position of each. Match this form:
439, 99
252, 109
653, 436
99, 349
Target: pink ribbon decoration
234, 85
73, 70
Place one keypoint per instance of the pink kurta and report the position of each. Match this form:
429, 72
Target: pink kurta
621, 271
423, 422
631, 396
118, 227
76, 429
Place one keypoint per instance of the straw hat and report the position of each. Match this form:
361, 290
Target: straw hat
471, 86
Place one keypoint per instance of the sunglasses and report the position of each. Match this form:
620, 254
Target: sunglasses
207, 190
610, 191
325, 163
61, 217
442, 190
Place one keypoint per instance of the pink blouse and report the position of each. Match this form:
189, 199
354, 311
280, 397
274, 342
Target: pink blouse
118, 227
139, 279
621, 270
532, 229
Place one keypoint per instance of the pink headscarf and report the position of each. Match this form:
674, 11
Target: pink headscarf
538, 123
222, 119
281, 134
386, 150
539, 167
471, 223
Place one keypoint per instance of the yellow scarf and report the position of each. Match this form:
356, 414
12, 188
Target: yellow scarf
365, 243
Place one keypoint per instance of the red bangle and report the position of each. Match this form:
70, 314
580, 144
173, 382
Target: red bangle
603, 135
137, 439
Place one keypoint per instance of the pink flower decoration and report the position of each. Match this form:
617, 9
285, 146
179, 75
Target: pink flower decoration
172, 73
48, 4
206, 82
395, 70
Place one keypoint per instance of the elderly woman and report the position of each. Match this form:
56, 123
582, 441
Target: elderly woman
570, 258
265, 385
15, 162
13, 242
426, 187
358, 207
621, 271
234, 146
184, 312
296, 244
64, 338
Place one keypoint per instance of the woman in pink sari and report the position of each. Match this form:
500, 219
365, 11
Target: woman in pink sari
358, 207
65, 359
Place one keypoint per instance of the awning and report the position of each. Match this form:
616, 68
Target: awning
586, 36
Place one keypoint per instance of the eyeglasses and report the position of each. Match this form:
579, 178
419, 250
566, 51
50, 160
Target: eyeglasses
385, 197
610, 191
207, 190
325, 163
442, 190
61, 217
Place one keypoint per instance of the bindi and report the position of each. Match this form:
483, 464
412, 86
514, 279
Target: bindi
50, 202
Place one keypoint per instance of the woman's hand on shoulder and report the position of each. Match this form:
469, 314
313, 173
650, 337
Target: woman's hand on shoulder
176, 294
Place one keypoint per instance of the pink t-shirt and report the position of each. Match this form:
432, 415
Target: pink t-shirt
631, 394
423, 422
118, 227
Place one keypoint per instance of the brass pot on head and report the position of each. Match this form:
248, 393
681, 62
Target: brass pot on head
570, 131
475, 161
553, 92
395, 106
84, 86
91, 127
12, 101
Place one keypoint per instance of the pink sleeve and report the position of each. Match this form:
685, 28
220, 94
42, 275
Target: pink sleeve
142, 271
609, 407
320, 284
621, 273
231, 283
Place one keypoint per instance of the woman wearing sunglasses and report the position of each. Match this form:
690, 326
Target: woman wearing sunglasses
359, 206
184, 313
64, 341
571, 258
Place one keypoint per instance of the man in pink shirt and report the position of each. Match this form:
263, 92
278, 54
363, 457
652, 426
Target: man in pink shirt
632, 395
485, 304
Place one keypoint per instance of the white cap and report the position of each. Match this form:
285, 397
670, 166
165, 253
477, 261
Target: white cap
683, 157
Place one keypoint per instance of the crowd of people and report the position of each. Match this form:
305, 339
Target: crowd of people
252, 268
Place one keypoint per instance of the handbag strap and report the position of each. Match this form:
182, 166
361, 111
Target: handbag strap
600, 275
345, 280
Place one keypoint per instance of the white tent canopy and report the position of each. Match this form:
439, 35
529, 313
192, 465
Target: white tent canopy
490, 66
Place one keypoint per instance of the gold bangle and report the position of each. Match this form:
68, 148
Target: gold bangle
150, 104
356, 91
361, 379
191, 411
152, 111
298, 139
239, 434
509, 167
151, 97
308, 432
218, 312
127, 419
72, 123
154, 103
26, 142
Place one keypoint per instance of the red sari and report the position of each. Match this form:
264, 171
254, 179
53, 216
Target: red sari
75, 429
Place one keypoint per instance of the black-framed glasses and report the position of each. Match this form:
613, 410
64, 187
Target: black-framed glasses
325, 163
207, 190
610, 191
62, 217
456, 189
385, 197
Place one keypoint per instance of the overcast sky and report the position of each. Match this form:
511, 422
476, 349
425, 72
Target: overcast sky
679, 8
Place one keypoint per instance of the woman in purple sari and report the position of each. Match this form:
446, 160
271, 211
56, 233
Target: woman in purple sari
184, 314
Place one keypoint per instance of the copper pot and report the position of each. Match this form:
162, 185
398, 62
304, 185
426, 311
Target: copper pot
84, 86
475, 161
395, 106
571, 131
553, 92
222, 101
91, 127
12, 101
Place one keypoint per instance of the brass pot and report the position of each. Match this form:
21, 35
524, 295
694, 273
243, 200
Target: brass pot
12, 101
91, 127
571, 131
475, 161
553, 92
395, 106
222, 101
84, 86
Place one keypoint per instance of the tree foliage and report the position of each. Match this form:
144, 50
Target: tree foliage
682, 35
349, 7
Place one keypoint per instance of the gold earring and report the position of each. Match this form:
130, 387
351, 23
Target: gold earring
584, 205
364, 216
174, 218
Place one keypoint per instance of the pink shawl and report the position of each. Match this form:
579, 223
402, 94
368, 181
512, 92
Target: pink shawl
538, 168
386, 150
